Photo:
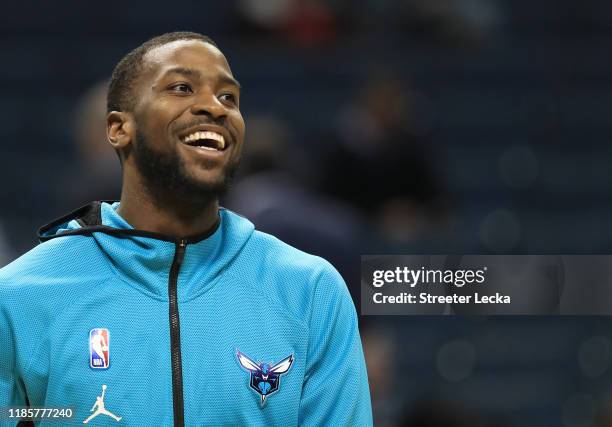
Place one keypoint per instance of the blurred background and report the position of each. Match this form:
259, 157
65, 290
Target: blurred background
373, 127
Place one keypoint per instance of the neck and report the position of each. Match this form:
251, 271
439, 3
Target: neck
175, 215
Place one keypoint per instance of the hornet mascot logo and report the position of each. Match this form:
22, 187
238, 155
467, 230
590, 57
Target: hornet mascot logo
265, 379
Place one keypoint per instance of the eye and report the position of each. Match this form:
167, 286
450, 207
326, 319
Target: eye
181, 87
228, 97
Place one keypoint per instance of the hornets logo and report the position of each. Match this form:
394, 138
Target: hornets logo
265, 378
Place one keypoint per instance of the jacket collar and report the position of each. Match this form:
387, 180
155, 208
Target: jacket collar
143, 259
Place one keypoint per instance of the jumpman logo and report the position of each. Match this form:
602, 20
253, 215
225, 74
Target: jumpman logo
101, 410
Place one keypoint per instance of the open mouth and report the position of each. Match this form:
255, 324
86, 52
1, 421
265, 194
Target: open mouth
206, 140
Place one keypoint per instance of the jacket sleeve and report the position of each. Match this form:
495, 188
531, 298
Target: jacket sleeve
11, 389
335, 390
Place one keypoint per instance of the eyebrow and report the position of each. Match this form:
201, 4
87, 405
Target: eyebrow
191, 72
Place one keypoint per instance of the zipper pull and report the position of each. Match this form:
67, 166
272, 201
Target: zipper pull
180, 252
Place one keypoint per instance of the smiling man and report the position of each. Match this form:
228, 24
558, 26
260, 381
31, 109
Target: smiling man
179, 310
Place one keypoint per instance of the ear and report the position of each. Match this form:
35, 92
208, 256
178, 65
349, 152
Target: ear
119, 129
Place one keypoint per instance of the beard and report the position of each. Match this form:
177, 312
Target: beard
165, 175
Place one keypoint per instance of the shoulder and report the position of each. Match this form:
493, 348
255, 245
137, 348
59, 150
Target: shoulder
278, 257
294, 279
53, 262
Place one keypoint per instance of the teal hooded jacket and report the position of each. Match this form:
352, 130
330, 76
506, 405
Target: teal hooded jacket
127, 327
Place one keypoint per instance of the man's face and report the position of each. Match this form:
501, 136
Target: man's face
189, 130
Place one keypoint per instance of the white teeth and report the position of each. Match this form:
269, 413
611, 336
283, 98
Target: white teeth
207, 135
207, 148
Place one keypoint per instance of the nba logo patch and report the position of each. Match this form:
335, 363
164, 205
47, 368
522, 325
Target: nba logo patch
99, 344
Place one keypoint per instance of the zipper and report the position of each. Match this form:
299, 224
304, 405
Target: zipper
178, 404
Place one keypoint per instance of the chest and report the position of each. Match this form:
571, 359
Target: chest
130, 358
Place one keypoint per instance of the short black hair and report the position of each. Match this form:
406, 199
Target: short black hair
127, 70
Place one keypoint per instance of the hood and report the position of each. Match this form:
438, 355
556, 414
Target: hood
143, 259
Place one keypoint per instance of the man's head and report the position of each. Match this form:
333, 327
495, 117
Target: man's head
174, 117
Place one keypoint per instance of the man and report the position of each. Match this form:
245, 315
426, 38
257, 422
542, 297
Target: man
205, 320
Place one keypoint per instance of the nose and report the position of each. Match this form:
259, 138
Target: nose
208, 104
